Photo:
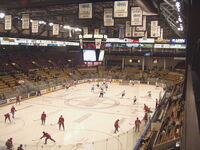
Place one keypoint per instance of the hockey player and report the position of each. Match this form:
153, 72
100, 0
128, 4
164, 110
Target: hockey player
149, 93
116, 125
18, 98
146, 108
9, 144
137, 125
13, 110
145, 118
20, 147
123, 94
101, 93
92, 89
43, 118
61, 122
106, 86
134, 99
97, 84
47, 136
7, 116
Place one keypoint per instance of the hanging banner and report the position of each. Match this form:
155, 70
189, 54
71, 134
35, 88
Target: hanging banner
85, 30
143, 27
25, 21
81, 43
158, 30
8, 22
96, 31
98, 43
161, 33
35, 26
137, 34
136, 16
85, 11
128, 29
70, 33
154, 30
121, 32
108, 17
120, 9
56, 29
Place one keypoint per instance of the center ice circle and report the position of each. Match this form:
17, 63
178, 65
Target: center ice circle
91, 102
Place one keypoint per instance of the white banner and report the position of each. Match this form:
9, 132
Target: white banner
25, 21
128, 30
137, 34
136, 16
143, 27
108, 17
85, 30
81, 43
8, 22
120, 9
35, 26
158, 30
98, 43
56, 29
154, 29
85, 11
161, 33
96, 31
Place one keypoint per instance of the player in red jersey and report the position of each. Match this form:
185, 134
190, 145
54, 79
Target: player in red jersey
20, 147
137, 125
9, 144
47, 136
7, 116
13, 110
61, 122
116, 125
146, 108
43, 118
18, 98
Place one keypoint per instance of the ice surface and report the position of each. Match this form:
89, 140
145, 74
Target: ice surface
88, 118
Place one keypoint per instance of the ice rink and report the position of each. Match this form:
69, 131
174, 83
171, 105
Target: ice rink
88, 118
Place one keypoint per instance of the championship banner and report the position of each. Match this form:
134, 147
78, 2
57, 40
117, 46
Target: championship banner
120, 9
35, 26
56, 29
121, 32
25, 21
108, 17
137, 34
143, 27
136, 16
128, 29
98, 43
85, 30
8, 22
161, 33
96, 31
158, 30
85, 11
81, 43
154, 30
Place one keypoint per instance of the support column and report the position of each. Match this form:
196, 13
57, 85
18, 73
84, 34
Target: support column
143, 61
123, 63
164, 67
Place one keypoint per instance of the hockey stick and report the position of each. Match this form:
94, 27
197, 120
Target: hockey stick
36, 140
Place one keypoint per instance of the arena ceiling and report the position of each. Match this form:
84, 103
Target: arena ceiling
65, 12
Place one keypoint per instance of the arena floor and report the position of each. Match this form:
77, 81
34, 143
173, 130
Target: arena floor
88, 118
